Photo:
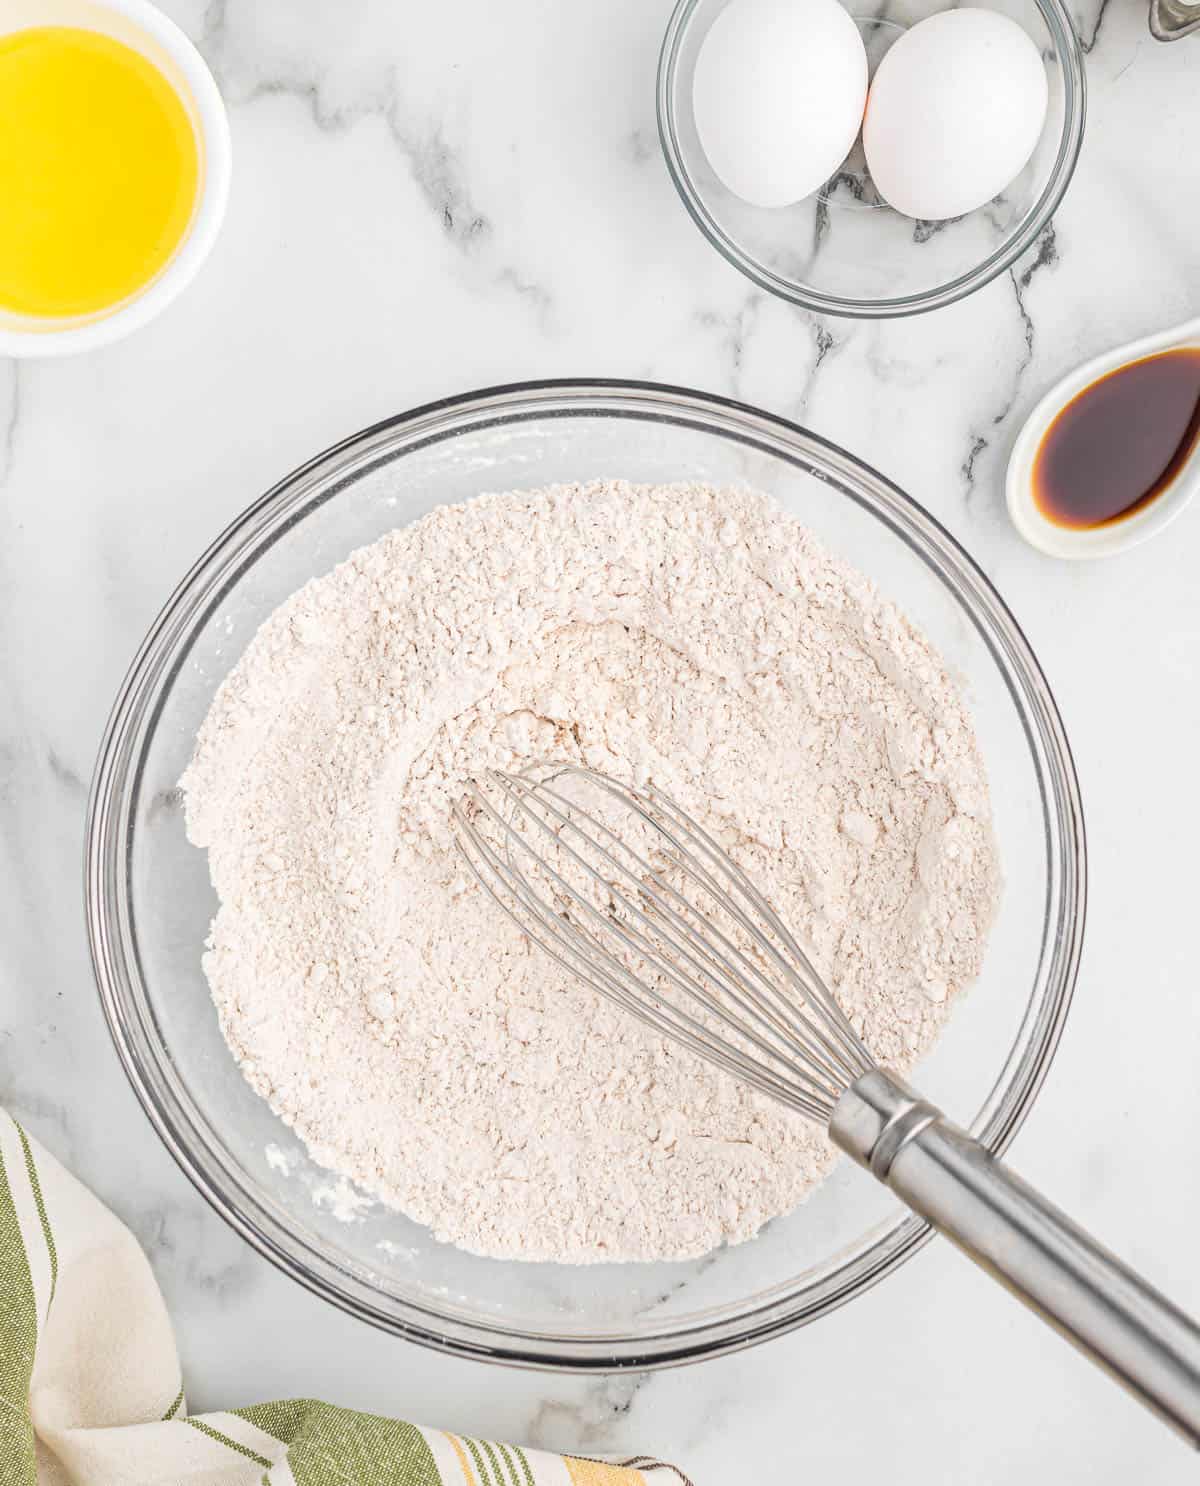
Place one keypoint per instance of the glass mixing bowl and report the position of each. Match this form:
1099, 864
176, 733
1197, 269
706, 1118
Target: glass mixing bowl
843, 251
149, 901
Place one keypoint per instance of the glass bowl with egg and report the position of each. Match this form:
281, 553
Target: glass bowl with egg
871, 161
150, 902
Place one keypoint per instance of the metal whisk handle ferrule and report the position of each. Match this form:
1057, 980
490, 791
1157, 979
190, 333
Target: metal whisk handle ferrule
1036, 1251
638, 900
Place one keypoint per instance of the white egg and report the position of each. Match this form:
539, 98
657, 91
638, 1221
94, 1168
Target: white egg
778, 96
955, 110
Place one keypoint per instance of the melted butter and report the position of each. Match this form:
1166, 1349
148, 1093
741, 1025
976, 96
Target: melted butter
99, 171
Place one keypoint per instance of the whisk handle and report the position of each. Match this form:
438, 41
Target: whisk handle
1108, 1312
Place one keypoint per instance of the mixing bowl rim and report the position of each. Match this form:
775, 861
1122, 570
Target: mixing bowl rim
1069, 51
131, 723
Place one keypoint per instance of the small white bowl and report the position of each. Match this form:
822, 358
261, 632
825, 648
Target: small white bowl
1116, 536
144, 28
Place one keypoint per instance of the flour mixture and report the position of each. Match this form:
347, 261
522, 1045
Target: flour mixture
696, 639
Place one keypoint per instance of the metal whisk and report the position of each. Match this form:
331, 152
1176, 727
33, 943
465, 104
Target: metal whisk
624, 889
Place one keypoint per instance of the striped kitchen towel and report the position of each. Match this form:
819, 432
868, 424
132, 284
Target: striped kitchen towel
91, 1392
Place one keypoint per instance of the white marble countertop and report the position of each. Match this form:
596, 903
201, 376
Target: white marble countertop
429, 199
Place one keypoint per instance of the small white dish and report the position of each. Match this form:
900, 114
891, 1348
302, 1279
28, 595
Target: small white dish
144, 28
1038, 529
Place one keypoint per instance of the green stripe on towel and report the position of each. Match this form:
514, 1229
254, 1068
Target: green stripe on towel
282, 1420
509, 1462
18, 1341
520, 1454
39, 1203
329, 1446
223, 1439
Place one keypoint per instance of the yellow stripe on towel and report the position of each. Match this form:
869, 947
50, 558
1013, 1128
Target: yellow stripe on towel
596, 1473
468, 1473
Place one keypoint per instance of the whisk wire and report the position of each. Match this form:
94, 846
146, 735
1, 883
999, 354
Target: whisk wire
626, 935
853, 1057
810, 987
680, 919
769, 1009
646, 942
490, 869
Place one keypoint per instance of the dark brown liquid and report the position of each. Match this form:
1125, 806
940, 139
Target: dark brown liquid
1120, 442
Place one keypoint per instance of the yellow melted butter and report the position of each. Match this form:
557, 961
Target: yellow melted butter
99, 171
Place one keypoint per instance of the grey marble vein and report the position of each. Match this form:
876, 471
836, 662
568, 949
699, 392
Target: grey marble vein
434, 163
1089, 31
825, 344
212, 34
493, 176
65, 775
188, 1245
1043, 256
591, 1422
8, 431
733, 329
641, 146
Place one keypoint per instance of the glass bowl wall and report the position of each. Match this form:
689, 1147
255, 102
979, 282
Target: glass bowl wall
149, 900
843, 251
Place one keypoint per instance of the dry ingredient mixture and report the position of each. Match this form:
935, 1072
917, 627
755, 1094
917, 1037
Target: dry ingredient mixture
698, 639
